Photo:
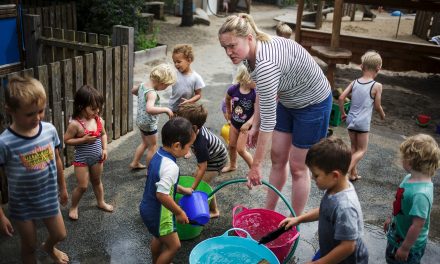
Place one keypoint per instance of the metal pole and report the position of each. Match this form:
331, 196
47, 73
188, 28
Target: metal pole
398, 24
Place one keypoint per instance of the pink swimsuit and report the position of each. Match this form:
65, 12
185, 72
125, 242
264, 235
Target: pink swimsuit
89, 154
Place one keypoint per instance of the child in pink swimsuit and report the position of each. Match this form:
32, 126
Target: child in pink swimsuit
87, 133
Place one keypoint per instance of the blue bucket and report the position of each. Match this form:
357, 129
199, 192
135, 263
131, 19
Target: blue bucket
196, 207
231, 249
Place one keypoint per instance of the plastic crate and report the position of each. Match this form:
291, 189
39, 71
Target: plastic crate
335, 115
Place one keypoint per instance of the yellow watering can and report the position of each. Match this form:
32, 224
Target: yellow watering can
225, 132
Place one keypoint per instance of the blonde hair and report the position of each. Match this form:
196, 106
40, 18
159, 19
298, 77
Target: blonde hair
243, 77
422, 153
163, 73
242, 25
186, 50
371, 61
283, 30
24, 91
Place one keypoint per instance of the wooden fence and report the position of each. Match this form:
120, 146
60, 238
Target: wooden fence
108, 69
56, 16
426, 24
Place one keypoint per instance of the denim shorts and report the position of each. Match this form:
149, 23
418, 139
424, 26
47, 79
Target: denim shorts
307, 125
414, 257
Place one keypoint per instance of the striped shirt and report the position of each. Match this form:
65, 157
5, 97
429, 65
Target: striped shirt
209, 148
284, 69
30, 165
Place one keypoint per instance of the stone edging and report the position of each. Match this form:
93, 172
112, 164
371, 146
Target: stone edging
148, 55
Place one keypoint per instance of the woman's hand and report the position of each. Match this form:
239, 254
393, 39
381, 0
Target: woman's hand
252, 137
254, 177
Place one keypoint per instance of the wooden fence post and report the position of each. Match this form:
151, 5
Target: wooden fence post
124, 36
32, 32
116, 92
43, 76
55, 98
67, 79
107, 92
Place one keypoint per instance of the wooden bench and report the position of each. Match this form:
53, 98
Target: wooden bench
156, 8
331, 56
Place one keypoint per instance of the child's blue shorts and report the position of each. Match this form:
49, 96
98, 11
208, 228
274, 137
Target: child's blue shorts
307, 125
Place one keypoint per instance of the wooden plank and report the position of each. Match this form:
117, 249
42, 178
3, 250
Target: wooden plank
125, 36
39, 11
43, 76
435, 27
124, 89
48, 51
58, 34
116, 92
32, 33
67, 80
81, 38
89, 69
79, 46
69, 19
46, 17
92, 38
28, 72
99, 66
78, 79
63, 17
55, 101
58, 17
108, 91
69, 35
73, 15
104, 40
52, 22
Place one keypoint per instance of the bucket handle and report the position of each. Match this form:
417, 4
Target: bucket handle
248, 236
236, 208
295, 245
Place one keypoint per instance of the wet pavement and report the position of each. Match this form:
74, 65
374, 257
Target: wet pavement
120, 237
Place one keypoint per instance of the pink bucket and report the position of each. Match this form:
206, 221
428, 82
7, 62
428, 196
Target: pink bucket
259, 222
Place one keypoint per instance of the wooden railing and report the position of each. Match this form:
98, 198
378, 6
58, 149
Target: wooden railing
55, 16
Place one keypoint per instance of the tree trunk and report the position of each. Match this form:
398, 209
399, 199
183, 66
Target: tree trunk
187, 14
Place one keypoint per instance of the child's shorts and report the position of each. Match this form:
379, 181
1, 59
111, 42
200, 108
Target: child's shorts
414, 257
148, 133
158, 224
307, 125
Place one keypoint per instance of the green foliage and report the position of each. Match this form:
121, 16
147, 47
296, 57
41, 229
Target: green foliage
144, 42
99, 16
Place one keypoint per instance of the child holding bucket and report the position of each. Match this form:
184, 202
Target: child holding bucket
340, 216
158, 209
408, 229
366, 94
240, 104
209, 150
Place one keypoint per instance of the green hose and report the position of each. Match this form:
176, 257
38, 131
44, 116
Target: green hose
224, 184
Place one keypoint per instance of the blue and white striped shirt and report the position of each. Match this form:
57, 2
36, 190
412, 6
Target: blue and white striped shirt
30, 166
284, 69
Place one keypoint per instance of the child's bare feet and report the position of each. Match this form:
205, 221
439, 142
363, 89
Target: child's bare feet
57, 255
106, 207
73, 213
354, 177
214, 214
138, 166
229, 168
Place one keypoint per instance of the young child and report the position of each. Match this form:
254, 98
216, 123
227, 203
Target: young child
209, 150
30, 158
283, 30
340, 217
148, 110
366, 94
240, 104
189, 84
407, 231
157, 208
86, 132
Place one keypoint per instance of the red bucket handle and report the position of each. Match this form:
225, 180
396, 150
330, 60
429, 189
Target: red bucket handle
236, 208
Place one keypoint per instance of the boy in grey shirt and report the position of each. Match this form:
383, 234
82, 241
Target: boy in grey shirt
340, 216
